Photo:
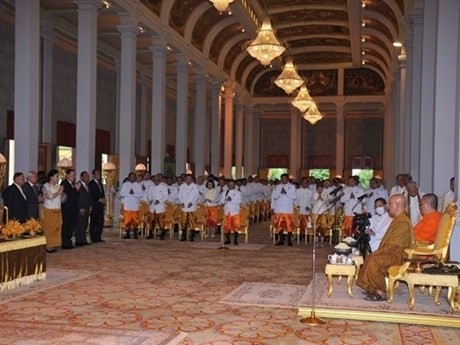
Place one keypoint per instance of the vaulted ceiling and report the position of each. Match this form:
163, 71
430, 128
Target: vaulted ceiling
319, 34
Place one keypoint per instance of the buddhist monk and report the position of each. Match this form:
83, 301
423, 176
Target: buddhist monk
427, 228
390, 252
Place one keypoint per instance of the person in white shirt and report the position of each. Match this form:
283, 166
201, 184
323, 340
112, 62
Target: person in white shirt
156, 196
319, 210
146, 182
448, 197
211, 198
231, 200
414, 200
351, 200
131, 192
375, 192
200, 183
379, 223
244, 189
257, 190
400, 187
173, 190
222, 185
188, 200
304, 197
284, 196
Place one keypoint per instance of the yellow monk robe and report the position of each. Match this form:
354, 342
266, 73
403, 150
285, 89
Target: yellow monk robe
391, 252
427, 228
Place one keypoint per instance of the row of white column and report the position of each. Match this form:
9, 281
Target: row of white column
426, 108
27, 101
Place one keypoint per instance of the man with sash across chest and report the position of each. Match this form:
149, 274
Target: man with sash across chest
231, 200
131, 192
284, 196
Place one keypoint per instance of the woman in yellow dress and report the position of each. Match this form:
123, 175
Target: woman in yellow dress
52, 218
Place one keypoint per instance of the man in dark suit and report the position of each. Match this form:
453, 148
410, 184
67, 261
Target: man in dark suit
31, 191
97, 213
69, 209
15, 199
84, 208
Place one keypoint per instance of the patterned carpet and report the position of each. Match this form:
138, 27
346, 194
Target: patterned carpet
167, 286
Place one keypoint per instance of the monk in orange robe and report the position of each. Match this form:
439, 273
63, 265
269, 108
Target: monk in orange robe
427, 228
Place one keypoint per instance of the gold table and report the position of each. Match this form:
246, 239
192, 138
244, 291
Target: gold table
22, 262
340, 270
358, 260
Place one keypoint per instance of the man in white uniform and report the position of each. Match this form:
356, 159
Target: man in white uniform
379, 223
414, 200
375, 192
303, 200
231, 200
188, 200
283, 197
448, 197
131, 192
156, 196
352, 197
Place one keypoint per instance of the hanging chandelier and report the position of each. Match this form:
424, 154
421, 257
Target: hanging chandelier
303, 100
221, 5
265, 46
289, 79
313, 115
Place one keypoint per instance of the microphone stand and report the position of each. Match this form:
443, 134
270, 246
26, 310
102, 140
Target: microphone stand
312, 320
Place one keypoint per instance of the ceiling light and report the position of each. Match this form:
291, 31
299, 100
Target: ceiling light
313, 115
107, 3
265, 46
221, 5
289, 79
363, 39
303, 100
397, 44
363, 24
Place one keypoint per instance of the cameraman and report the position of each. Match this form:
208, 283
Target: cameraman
379, 223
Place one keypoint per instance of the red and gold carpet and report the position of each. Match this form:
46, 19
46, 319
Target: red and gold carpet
144, 286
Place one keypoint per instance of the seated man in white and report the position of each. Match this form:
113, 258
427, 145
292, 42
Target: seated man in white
379, 223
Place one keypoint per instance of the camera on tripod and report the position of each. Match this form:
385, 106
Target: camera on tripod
361, 223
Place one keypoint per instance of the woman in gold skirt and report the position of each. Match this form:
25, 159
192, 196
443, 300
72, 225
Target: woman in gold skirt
52, 219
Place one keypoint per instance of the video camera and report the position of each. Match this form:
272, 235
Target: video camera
361, 223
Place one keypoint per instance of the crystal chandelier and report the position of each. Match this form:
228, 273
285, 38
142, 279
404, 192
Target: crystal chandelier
289, 79
313, 115
265, 46
303, 100
221, 5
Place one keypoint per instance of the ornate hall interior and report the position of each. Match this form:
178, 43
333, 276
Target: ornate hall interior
171, 84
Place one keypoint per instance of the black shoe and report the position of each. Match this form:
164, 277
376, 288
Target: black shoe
126, 235
162, 235
68, 247
192, 235
235, 239
289, 238
227, 239
150, 237
51, 250
182, 239
80, 244
99, 241
280, 239
228, 242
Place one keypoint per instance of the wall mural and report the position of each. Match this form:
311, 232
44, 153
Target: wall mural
153, 5
206, 22
180, 12
319, 41
278, 4
321, 82
265, 86
363, 81
309, 15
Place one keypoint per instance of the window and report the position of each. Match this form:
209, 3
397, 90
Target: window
275, 173
320, 174
365, 176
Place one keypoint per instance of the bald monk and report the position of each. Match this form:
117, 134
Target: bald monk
390, 252
427, 228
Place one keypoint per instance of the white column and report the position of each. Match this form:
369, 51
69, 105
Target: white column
143, 122
215, 127
239, 135
200, 122
158, 142
128, 100
417, 21
402, 116
116, 140
446, 94
388, 142
228, 129
408, 102
47, 85
427, 95
182, 113
256, 141
86, 84
26, 84
294, 166
455, 240
249, 141
396, 93
340, 140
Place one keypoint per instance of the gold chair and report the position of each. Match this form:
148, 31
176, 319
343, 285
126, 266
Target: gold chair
168, 220
272, 228
244, 222
251, 212
143, 218
200, 221
3, 215
256, 212
177, 218
440, 247
295, 231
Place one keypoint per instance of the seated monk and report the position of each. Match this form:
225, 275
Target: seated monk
426, 229
389, 253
